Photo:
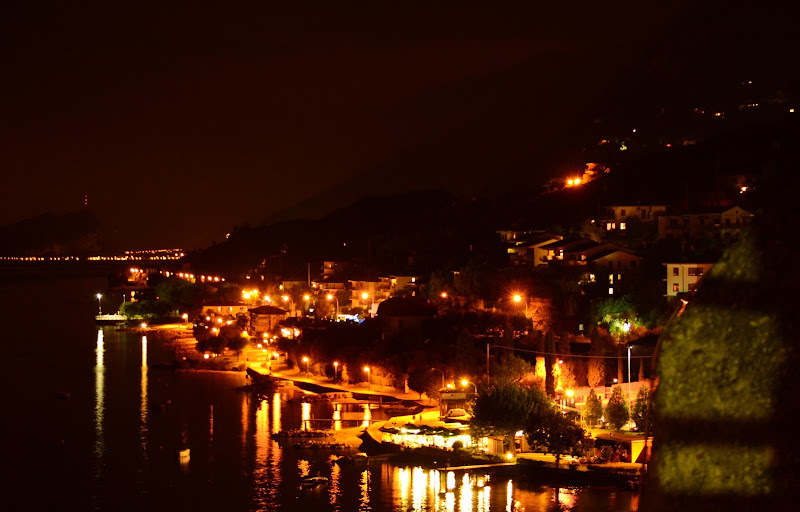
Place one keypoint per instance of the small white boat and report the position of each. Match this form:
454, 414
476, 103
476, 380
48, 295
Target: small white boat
310, 481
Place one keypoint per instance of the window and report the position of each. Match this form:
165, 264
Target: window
610, 278
633, 263
591, 278
675, 287
702, 221
622, 212
696, 271
611, 291
619, 277
608, 226
692, 287
728, 221
676, 271
622, 226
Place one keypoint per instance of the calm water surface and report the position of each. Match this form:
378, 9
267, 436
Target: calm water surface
114, 444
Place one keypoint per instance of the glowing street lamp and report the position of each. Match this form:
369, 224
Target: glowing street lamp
288, 299
335, 368
99, 308
369, 377
366, 296
464, 383
305, 360
518, 298
332, 297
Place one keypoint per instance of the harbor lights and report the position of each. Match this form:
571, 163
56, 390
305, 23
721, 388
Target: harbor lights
305, 360
369, 377
99, 308
335, 369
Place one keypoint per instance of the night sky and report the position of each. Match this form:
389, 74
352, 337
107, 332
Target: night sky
180, 123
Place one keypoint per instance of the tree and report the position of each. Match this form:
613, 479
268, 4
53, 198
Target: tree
617, 412
597, 365
423, 380
549, 348
555, 433
504, 408
512, 369
639, 414
593, 410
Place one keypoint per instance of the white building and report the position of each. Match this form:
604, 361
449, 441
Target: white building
685, 277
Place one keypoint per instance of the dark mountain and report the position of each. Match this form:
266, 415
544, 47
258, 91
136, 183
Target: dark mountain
526, 128
73, 234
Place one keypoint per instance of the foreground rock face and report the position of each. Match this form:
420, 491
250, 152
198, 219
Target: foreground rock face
725, 427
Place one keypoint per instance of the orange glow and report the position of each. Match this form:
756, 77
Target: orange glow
365, 295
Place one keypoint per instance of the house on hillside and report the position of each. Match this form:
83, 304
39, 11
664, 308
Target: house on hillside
612, 264
724, 224
568, 251
528, 250
264, 319
619, 216
685, 277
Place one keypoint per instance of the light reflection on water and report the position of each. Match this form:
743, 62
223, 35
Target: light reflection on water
232, 450
143, 407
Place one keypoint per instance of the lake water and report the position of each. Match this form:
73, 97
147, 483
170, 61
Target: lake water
114, 443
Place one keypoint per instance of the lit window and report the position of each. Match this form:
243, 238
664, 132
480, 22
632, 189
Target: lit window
608, 226
610, 278
619, 277
591, 278
675, 287
611, 291
622, 226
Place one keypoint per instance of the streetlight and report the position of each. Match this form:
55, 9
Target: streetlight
369, 377
335, 368
629, 373
332, 297
464, 383
305, 360
286, 298
440, 371
366, 296
306, 298
99, 308
518, 298
569, 394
